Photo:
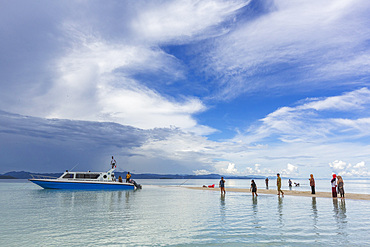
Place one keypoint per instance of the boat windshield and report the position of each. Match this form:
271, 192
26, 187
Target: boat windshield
68, 175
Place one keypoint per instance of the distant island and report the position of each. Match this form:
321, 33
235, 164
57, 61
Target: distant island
7, 177
28, 175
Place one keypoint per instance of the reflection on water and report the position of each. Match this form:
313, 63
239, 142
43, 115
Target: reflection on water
280, 211
314, 213
340, 219
223, 210
256, 220
71, 198
163, 216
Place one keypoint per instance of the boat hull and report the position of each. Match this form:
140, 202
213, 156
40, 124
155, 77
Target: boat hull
81, 185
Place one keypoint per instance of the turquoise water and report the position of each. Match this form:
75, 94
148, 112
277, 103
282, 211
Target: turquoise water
161, 215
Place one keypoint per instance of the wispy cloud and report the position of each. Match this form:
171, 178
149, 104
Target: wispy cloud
183, 21
318, 120
295, 45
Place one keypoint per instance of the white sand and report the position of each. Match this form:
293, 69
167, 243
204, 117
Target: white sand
289, 193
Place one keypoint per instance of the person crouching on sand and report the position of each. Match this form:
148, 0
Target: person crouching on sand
222, 185
278, 183
253, 188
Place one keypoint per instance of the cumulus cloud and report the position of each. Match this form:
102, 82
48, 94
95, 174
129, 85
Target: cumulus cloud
290, 170
347, 169
230, 169
257, 170
88, 88
96, 77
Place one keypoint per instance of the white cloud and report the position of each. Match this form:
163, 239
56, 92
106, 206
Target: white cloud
290, 170
343, 169
257, 170
88, 87
300, 38
355, 100
230, 169
201, 172
183, 20
95, 78
338, 165
314, 121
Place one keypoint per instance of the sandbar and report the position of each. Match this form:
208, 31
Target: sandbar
352, 196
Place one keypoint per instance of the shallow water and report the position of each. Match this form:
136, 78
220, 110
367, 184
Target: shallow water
161, 215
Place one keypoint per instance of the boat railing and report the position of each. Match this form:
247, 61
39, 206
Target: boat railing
35, 176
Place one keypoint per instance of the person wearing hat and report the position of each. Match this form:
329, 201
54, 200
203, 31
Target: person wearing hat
334, 186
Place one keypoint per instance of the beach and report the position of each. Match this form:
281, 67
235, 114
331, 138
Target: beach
352, 196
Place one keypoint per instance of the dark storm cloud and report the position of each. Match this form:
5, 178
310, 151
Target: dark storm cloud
31, 143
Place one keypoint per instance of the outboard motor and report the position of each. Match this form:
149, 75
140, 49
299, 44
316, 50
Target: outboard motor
138, 186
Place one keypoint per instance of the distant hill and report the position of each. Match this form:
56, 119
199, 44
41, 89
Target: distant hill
6, 177
28, 175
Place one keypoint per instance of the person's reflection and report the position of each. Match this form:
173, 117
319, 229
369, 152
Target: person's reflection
255, 212
222, 209
335, 207
254, 201
340, 217
119, 196
342, 206
342, 211
280, 210
127, 196
314, 212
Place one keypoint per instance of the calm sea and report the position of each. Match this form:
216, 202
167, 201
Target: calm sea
166, 214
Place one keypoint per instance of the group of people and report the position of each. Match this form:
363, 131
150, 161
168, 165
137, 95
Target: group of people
128, 177
334, 185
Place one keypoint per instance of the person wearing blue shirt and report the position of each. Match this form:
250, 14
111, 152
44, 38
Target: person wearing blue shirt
222, 186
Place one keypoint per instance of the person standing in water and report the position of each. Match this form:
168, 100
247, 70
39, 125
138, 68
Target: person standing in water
278, 183
312, 184
253, 188
340, 186
334, 186
113, 162
222, 186
267, 183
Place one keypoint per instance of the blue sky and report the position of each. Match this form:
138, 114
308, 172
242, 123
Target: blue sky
187, 87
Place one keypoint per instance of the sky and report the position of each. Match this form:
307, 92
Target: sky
186, 87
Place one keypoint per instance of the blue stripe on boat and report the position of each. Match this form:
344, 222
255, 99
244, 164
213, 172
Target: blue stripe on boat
83, 186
